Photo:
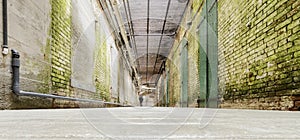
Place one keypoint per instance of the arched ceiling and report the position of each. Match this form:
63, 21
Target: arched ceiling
151, 27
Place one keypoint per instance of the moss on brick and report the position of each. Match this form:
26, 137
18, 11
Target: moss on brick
269, 63
102, 66
196, 5
60, 31
174, 79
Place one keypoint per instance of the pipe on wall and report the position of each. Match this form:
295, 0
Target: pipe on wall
18, 92
4, 20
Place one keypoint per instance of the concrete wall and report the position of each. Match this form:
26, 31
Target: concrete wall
259, 53
28, 31
84, 48
65, 48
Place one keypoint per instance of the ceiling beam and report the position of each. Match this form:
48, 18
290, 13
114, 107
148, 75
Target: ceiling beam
162, 32
148, 13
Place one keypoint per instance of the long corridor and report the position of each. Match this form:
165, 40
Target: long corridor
150, 69
168, 53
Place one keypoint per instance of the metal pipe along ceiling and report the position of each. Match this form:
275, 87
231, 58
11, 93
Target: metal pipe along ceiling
133, 31
111, 23
112, 16
178, 25
130, 26
162, 32
148, 13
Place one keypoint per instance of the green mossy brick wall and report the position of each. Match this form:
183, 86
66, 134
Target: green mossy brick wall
61, 33
193, 65
193, 54
193, 69
259, 49
174, 67
43, 31
102, 66
174, 78
174, 64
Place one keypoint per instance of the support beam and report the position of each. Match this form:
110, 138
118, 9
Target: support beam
148, 13
162, 32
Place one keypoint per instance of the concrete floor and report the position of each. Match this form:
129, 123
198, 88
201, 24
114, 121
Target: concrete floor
148, 123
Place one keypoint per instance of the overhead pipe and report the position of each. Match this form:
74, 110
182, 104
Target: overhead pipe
16, 86
181, 18
109, 19
162, 33
112, 19
131, 37
132, 40
115, 15
180, 21
148, 13
4, 20
132, 30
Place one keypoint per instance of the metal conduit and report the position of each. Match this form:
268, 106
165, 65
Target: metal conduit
128, 5
109, 19
4, 20
180, 21
129, 61
187, 3
132, 38
114, 20
161, 37
148, 13
112, 15
129, 11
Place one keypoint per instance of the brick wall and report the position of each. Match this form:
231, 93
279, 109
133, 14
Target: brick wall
60, 44
174, 78
193, 52
193, 65
102, 65
28, 28
174, 63
258, 54
259, 50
